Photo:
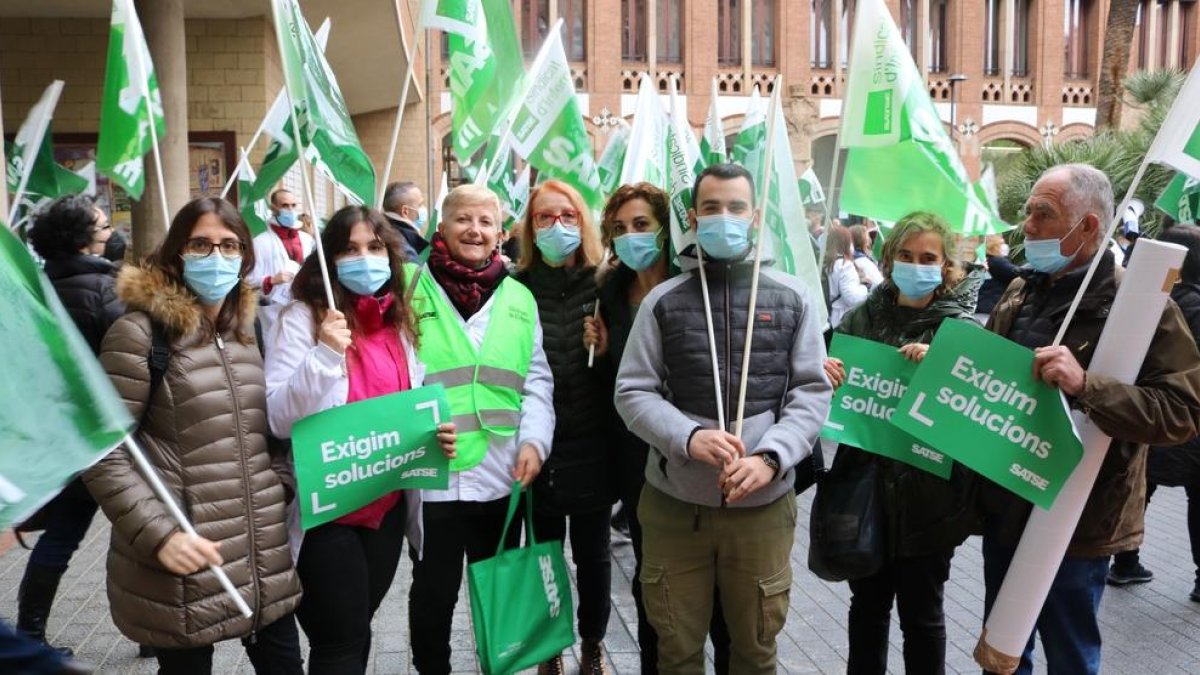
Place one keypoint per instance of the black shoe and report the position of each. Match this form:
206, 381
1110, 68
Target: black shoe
73, 667
1118, 576
146, 652
1194, 596
35, 597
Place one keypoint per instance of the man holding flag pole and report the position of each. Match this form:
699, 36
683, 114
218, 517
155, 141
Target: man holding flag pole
736, 492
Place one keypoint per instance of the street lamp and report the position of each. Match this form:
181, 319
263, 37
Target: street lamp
954, 80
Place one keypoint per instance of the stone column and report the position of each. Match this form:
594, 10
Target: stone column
162, 22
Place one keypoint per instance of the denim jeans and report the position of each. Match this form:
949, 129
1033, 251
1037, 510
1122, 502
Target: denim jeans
1068, 626
20, 653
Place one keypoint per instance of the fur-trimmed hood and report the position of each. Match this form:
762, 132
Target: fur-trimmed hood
146, 288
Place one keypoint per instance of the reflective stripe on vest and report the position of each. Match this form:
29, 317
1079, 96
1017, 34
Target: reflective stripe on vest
484, 386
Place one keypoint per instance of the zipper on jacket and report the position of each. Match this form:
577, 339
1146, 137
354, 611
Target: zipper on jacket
237, 424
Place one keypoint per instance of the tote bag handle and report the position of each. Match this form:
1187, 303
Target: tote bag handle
513, 501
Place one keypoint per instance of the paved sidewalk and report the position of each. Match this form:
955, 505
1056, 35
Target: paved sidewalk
1151, 628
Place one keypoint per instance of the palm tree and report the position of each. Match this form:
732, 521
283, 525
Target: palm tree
1118, 38
1115, 152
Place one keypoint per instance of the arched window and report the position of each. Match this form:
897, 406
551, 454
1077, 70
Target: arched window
1001, 154
633, 30
938, 36
729, 32
536, 19
762, 37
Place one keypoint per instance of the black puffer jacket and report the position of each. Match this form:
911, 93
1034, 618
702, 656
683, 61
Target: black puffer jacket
86, 284
1179, 465
577, 476
924, 514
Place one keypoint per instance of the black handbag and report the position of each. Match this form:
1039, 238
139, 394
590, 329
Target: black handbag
846, 523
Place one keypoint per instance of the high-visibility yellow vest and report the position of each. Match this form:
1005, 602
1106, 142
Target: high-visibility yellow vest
484, 385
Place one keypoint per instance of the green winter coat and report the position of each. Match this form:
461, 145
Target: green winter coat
924, 515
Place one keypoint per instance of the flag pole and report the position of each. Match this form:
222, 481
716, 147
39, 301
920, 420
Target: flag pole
712, 340
246, 151
409, 76
592, 347
309, 202
1091, 272
510, 116
164, 496
145, 86
54, 90
764, 192
3, 172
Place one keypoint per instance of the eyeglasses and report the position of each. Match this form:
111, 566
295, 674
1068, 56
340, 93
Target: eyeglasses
547, 219
230, 248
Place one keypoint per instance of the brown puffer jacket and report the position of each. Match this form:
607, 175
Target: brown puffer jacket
205, 432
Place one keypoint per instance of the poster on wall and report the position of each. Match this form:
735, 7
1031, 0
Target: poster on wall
208, 169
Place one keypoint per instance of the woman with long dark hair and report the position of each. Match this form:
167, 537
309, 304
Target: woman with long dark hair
321, 357
203, 425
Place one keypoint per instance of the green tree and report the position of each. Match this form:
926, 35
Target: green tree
1117, 153
1114, 61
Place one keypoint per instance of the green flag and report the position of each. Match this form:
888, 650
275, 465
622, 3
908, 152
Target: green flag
462, 17
326, 131
683, 156
612, 159
484, 74
712, 144
277, 125
646, 158
61, 414
1177, 143
251, 204
32, 172
751, 142
548, 130
125, 119
810, 188
899, 157
1181, 199
784, 225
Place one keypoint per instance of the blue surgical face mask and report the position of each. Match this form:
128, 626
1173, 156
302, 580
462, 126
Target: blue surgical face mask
638, 250
1045, 255
422, 216
212, 276
557, 242
723, 235
364, 274
916, 281
287, 218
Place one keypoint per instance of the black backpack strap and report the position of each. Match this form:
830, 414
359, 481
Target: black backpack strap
159, 357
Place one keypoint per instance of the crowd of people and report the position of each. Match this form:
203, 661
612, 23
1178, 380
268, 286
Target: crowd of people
592, 368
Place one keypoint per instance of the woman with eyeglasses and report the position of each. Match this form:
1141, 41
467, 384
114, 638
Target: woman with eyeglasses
69, 234
203, 425
560, 252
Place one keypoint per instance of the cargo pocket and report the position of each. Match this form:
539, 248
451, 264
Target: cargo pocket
773, 594
656, 599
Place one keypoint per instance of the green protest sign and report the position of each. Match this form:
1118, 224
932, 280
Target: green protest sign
349, 456
877, 376
974, 397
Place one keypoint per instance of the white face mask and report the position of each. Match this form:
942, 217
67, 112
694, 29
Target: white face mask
1004, 250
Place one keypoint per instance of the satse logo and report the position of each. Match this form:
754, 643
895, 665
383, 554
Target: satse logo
549, 586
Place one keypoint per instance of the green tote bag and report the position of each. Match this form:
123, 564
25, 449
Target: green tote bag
521, 600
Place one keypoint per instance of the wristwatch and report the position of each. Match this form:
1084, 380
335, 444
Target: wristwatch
771, 460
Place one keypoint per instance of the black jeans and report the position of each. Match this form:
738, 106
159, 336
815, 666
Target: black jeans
592, 556
452, 530
67, 518
916, 584
346, 571
273, 650
632, 475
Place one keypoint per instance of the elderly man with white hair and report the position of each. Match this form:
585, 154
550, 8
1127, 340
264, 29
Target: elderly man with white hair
1066, 217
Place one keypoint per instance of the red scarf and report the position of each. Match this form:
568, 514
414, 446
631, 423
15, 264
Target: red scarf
467, 288
291, 241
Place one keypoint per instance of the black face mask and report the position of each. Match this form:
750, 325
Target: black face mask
114, 248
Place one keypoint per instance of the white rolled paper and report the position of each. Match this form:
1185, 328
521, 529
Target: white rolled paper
1131, 324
